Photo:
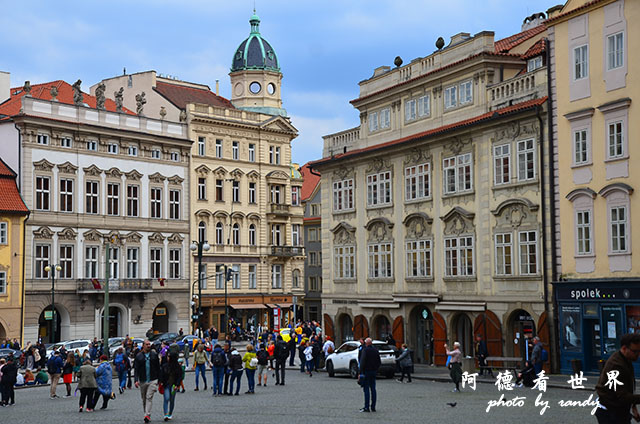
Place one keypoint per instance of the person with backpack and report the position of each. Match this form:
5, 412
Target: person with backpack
263, 364
54, 367
120, 364
200, 361
281, 353
235, 365
218, 361
104, 377
250, 363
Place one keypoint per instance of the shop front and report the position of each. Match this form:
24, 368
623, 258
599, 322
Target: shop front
592, 316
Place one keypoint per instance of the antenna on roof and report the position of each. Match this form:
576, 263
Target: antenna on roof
124, 71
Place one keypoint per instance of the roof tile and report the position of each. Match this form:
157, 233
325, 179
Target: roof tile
180, 95
310, 182
10, 200
506, 44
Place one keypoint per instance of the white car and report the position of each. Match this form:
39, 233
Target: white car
345, 359
70, 346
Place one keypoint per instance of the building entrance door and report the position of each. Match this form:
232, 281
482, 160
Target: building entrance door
523, 330
423, 324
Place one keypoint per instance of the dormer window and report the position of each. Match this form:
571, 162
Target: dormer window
112, 148
43, 139
133, 151
155, 153
380, 119
534, 63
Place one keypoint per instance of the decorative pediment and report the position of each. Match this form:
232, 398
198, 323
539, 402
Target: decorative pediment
43, 233
67, 168
343, 172
203, 213
203, 170
237, 173
344, 233
417, 156
92, 235
458, 221
220, 214
417, 224
157, 178
175, 238
43, 165
622, 187
280, 124
379, 229
92, 170
114, 237
113, 173
220, 171
379, 164
579, 192
512, 202
277, 175
156, 238
238, 215
513, 213
133, 237
517, 130
456, 145
253, 217
253, 175
133, 175
67, 234
176, 179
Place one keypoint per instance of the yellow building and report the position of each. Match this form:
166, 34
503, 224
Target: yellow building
13, 214
594, 83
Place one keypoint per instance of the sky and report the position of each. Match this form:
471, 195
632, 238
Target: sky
325, 48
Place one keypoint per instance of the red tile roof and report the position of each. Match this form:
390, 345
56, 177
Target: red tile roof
537, 49
180, 95
10, 200
12, 106
555, 19
310, 182
530, 104
506, 44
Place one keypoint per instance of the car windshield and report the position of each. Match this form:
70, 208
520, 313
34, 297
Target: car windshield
155, 337
383, 347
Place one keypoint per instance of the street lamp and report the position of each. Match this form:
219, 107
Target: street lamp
52, 270
199, 246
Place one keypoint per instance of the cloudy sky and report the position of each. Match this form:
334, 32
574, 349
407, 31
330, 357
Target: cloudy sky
325, 47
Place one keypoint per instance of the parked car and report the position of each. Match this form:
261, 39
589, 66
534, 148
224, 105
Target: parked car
5, 352
114, 346
345, 359
187, 340
157, 339
70, 346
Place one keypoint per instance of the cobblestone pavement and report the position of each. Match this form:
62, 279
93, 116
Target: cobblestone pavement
319, 399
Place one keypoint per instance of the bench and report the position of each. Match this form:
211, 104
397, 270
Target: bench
511, 363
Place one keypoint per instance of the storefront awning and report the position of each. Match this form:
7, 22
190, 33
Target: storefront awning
285, 305
248, 306
271, 306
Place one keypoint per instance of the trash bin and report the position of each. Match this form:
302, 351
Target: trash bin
469, 364
576, 365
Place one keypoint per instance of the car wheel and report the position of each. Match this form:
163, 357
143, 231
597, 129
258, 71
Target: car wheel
353, 369
330, 369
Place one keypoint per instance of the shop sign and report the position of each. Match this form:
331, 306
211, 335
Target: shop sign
596, 293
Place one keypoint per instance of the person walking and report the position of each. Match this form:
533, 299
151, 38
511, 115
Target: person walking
263, 364
308, 357
481, 355
54, 367
235, 365
87, 385
303, 358
200, 360
171, 378
218, 362
227, 370
455, 364
369, 364
291, 345
9, 373
405, 363
250, 364
104, 377
119, 361
67, 372
281, 353
536, 355
147, 367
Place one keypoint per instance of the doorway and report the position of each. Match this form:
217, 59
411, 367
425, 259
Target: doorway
46, 323
463, 332
346, 328
422, 322
523, 330
115, 322
161, 319
382, 327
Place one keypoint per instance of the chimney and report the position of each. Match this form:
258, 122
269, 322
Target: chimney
5, 85
217, 87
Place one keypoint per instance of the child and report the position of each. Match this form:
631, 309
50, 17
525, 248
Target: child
181, 387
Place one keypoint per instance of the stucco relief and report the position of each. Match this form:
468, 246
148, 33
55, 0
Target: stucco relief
517, 130
114, 173
43, 233
343, 173
92, 235
514, 213
67, 234
379, 164
343, 234
458, 221
418, 225
176, 179
43, 165
202, 170
175, 238
157, 178
133, 175
417, 156
133, 237
253, 176
379, 229
92, 170
156, 238
220, 172
67, 168
456, 145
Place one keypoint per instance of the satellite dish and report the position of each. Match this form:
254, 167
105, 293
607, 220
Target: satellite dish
397, 61
440, 43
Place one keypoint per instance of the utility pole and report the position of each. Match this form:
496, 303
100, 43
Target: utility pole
105, 313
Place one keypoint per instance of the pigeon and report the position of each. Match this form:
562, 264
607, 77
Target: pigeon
452, 404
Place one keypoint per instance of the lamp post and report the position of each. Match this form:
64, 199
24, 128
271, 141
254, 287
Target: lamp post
227, 270
199, 247
52, 270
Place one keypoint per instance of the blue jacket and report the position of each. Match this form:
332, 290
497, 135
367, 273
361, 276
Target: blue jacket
219, 350
55, 364
104, 376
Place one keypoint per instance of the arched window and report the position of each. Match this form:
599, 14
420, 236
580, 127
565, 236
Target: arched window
252, 235
295, 279
202, 231
219, 233
236, 234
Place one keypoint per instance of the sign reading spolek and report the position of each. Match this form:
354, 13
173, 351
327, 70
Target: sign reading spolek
596, 293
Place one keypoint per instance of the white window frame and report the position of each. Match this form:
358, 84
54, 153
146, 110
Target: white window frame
235, 276
526, 155
175, 156
112, 148
466, 92
373, 122
219, 148
615, 139
584, 232
132, 151
276, 276
66, 142
174, 204
345, 262
156, 153
295, 195
581, 62
619, 229
66, 195
457, 256
534, 63
451, 97
235, 191
417, 182
343, 195
253, 276
252, 152
385, 118
202, 146
419, 260
379, 189
133, 200
113, 199
133, 261
220, 277
380, 257
219, 233
42, 258
504, 253
252, 235
92, 198
235, 234
295, 235
42, 139
276, 234
91, 257
252, 192
114, 263
43, 194
66, 261
581, 146
276, 194
175, 263
528, 248
235, 150
615, 51
458, 167
4, 232
92, 145
202, 231
410, 110
155, 262
3, 282
202, 188
156, 203
501, 157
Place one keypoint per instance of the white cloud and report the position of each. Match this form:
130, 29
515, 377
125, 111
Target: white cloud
308, 145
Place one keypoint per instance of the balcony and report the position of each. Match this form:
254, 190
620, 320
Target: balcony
121, 286
279, 209
528, 86
286, 251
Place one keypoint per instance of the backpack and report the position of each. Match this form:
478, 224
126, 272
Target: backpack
545, 355
218, 359
263, 357
51, 367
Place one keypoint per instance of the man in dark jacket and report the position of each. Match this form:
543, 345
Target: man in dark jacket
616, 384
54, 368
369, 364
481, 354
147, 368
9, 375
291, 345
281, 352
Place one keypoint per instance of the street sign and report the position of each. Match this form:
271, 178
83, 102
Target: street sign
48, 315
194, 317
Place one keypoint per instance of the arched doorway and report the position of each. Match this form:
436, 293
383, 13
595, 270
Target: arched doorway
522, 329
381, 327
360, 327
463, 333
3, 333
116, 322
61, 322
422, 337
161, 319
346, 328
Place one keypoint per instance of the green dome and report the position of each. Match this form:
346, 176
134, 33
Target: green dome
255, 52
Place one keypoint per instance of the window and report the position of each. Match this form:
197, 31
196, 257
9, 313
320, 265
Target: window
466, 92
235, 191
219, 192
174, 204
203, 277
66, 195
219, 233
43, 252
502, 164
457, 174
313, 283
615, 137
112, 148
276, 194
459, 256
313, 234
380, 260
526, 160
66, 261
132, 200
155, 153
417, 108
66, 142
343, 195
618, 222
219, 149
276, 276
313, 258
315, 209
580, 62
156, 202
504, 258
615, 51
580, 147
419, 258
202, 146
43, 139
295, 235
92, 196
252, 235
174, 263
235, 276
252, 276
202, 189
252, 152
451, 97
528, 252
276, 235
92, 145
132, 151
252, 192
3, 233
202, 231
385, 118
295, 278
379, 189
295, 196
113, 199
417, 182
114, 263
345, 262
91, 262
274, 155
583, 229
132, 262
175, 156
373, 121
155, 262
42, 193
235, 149
535, 63
235, 234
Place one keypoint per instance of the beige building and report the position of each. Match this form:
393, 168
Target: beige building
246, 196
435, 207
595, 78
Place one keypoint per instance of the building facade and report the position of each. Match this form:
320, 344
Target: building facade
594, 81
109, 191
311, 201
434, 209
